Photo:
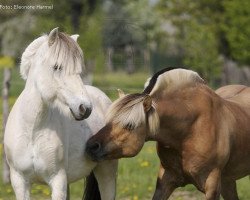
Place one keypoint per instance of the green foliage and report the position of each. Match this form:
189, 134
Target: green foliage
6, 62
201, 50
91, 40
237, 29
196, 27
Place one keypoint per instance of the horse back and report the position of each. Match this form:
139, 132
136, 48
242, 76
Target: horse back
238, 94
237, 100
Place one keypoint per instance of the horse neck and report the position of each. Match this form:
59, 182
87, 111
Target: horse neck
178, 112
35, 113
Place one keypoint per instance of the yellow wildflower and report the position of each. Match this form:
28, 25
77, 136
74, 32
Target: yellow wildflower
135, 197
144, 164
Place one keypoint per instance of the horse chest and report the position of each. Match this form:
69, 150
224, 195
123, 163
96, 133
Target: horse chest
48, 154
40, 157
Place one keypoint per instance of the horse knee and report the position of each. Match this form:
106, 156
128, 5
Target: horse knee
212, 195
20, 185
58, 185
165, 186
212, 185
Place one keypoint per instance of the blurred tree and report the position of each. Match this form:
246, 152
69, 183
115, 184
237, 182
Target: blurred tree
237, 30
197, 28
201, 50
6, 63
91, 41
130, 26
208, 30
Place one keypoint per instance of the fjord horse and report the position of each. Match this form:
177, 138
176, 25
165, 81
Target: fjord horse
202, 136
51, 121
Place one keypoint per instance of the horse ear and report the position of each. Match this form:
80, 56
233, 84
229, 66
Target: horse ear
74, 37
53, 35
120, 93
147, 103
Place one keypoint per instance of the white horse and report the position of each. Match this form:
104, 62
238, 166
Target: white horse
44, 139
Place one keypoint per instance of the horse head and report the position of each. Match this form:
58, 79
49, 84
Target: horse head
53, 65
131, 120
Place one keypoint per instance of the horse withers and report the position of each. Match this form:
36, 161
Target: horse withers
202, 136
53, 118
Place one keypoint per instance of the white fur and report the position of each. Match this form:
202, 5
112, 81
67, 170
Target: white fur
42, 140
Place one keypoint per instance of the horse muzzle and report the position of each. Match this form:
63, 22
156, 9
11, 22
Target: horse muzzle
95, 151
82, 113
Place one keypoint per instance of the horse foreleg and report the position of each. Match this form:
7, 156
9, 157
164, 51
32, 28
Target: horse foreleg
105, 173
229, 190
212, 185
20, 185
165, 185
58, 184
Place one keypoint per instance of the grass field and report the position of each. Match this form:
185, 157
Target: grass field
136, 176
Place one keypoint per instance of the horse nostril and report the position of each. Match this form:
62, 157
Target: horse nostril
95, 147
82, 109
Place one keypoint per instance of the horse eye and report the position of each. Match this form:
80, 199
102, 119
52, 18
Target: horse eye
129, 127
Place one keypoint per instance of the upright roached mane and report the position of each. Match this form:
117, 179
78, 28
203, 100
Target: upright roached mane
171, 79
128, 111
64, 52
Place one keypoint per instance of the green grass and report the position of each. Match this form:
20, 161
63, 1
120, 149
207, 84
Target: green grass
136, 176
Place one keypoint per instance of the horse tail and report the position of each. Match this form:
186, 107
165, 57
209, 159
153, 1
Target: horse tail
91, 191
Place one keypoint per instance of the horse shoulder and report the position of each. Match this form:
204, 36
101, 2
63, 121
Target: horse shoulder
208, 143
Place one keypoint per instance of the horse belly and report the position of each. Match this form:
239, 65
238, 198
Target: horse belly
238, 164
237, 168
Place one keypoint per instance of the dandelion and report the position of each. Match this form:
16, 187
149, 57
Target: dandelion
9, 190
144, 164
150, 150
150, 188
135, 197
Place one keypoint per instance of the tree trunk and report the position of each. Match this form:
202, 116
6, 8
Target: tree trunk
88, 75
129, 59
76, 11
146, 57
5, 96
109, 57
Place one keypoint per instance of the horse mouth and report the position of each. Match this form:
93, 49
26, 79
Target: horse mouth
96, 157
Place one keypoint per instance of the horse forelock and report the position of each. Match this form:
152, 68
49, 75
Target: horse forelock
171, 79
129, 111
67, 54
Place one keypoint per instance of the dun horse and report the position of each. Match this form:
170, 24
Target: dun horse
45, 138
202, 136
